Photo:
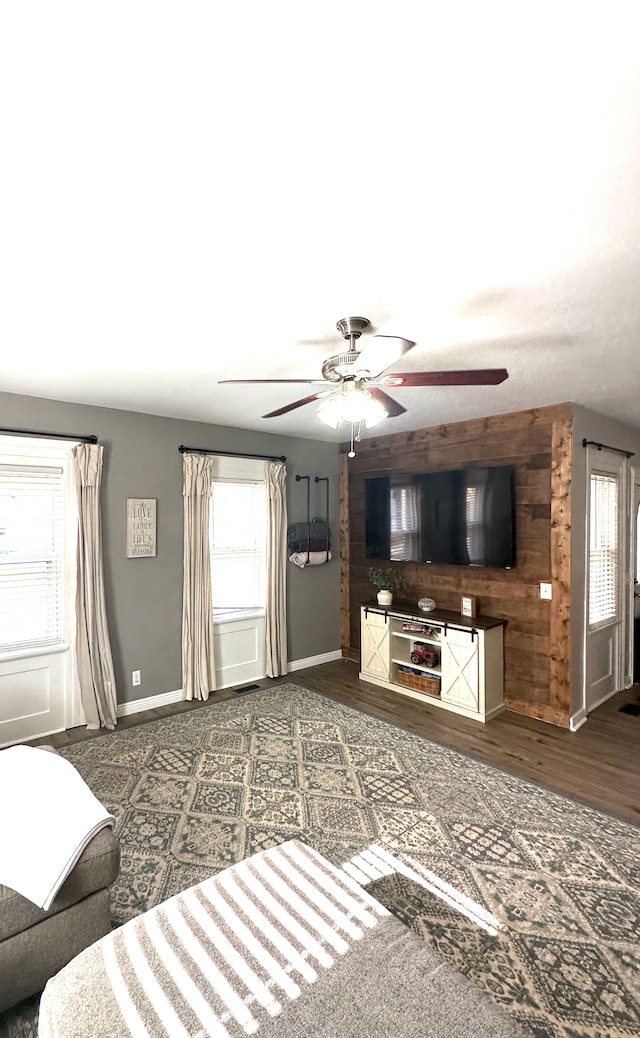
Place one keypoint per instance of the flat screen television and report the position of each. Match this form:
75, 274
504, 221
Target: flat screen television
465, 517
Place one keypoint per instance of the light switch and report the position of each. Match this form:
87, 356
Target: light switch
545, 591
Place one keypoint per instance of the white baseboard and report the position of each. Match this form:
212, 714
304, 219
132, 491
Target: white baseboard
577, 720
314, 661
150, 703
165, 698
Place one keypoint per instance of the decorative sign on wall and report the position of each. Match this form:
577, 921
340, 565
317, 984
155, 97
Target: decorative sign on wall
141, 527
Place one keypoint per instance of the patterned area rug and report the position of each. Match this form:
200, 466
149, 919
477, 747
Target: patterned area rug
533, 896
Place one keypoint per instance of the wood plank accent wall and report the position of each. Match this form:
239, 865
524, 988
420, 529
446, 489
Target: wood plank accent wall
537, 639
345, 552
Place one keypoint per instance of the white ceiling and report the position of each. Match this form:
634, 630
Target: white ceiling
192, 192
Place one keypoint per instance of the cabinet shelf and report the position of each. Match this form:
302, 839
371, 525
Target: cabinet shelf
415, 637
427, 671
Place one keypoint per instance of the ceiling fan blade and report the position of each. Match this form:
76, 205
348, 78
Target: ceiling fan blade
391, 406
479, 377
292, 407
272, 381
381, 351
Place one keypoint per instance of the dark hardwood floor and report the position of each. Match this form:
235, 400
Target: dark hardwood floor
599, 764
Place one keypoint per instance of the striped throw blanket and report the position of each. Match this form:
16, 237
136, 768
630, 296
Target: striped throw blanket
283, 944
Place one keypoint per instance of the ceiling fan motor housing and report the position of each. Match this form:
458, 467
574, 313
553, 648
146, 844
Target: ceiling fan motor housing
340, 366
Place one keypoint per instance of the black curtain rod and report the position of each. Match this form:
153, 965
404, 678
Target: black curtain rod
603, 446
230, 454
49, 435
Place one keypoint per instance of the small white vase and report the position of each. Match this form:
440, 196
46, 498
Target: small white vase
385, 598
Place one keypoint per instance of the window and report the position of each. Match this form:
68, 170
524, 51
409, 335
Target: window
604, 561
31, 558
237, 540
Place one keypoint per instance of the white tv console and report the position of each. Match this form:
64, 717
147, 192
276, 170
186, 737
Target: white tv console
467, 676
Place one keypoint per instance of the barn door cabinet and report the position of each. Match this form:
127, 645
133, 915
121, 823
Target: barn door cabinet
374, 646
441, 657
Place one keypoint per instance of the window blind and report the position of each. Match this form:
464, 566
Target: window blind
31, 558
604, 562
237, 539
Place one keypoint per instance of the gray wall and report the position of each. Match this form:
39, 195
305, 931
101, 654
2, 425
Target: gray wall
590, 426
144, 596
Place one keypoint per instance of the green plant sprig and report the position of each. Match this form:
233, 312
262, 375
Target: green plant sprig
387, 579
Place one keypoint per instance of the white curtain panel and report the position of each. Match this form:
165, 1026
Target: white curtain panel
276, 610
93, 650
198, 664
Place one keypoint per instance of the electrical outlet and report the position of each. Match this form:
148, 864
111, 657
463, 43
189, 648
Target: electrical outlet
545, 591
135, 677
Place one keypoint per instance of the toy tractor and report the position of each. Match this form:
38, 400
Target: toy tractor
424, 655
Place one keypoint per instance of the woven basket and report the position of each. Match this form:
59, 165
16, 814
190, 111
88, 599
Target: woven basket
419, 683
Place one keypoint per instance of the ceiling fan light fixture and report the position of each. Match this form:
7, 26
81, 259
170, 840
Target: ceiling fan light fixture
375, 413
329, 413
354, 402
353, 405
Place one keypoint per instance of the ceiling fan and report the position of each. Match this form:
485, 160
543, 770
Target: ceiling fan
356, 375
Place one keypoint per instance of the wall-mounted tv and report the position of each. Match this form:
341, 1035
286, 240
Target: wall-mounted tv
465, 517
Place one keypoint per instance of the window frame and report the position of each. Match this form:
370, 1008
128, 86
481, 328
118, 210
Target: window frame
617, 552
238, 470
29, 452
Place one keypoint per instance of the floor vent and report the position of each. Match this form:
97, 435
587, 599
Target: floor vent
631, 708
245, 688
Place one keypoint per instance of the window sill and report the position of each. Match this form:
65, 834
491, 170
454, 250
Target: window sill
236, 614
26, 654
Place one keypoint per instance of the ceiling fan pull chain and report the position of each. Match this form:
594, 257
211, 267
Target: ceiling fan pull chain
351, 453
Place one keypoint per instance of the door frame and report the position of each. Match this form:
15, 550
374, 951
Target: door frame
624, 527
634, 544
